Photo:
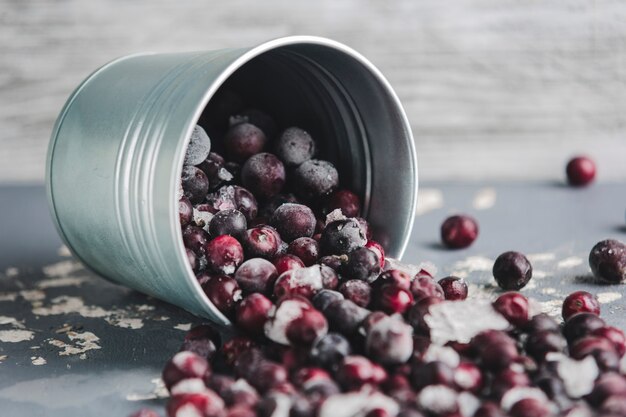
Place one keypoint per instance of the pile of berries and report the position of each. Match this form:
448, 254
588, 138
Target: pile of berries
327, 327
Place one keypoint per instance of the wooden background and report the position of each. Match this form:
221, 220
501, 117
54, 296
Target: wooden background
495, 89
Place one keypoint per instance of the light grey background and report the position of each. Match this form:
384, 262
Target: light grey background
494, 89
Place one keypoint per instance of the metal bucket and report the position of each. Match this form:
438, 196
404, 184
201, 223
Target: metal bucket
117, 150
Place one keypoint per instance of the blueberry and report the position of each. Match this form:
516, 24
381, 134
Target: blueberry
228, 222
315, 178
342, 237
329, 351
362, 264
293, 221
512, 271
295, 146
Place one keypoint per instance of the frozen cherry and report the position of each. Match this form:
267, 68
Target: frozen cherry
580, 171
198, 148
378, 250
195, 184
315, 178
287, 262
607, 260
425, 286
454, 288
459, 231
489, 409
306, 249
542, 322
540, 343
307, 328
342, 237
330, 350
256, 275
357, 291
356, 371
195, 238
514, 307
295, 146
468, 377
419, 310
293, 221
396, 277
261, 241
495, 349
223, 254
512, 271
267, 375
184, 365
602, 350
185, 211
228, 222
215, 170
324, 298
362, 264
607, 385
389, 341
580, 302
305, 282
263, 174
224, 292
252, 313
393, 299
235, 348
580, 325
202, 340
344, 200
530, 407
204, 404
506, 379
613, 335
245, 202
244, 140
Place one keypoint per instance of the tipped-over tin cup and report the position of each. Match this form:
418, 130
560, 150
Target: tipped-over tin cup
117, 150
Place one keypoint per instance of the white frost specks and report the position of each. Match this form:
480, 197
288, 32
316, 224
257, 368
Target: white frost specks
16, 335
3, 358
125, 322
11, 272
66, 305
63, 268
438, 399
80, 343
516, 394
62, 282
571, 262
484, 199
64, 252
474, 264
357, 404
411, 269
428, 199
541, 257
460, 321
38, 360
183, 326
552, 307
202, 218
443, 354
334, 215
608, 297
8, 296
578, 376
33, 295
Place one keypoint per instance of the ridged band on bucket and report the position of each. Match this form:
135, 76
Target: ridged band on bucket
117, 149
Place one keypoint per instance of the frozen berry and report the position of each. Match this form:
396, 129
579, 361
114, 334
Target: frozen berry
357, 291
396, 277
245, 202
224, 254
602, 350
215, 170
305, 282
244, 140
539, 344
325, 297
306, 249
256, 275
202, 340
329, 350
184, 365
198, 148
394, 299
362, 264
224, 292
185, 211
263, 174
235, 348
295, 146
613, 335
252, 313
419, 310
454, 288
580, 302
378, 250
258, 118
514, 307
495, 349
228, 222
307, 328
356, 371
345, 317
530, 407
389, 341
459, 231
581, 171
468, 377
342, 237
432, 373
195, 184
512, 271
261, 241
204, 404
195, 238
580, 325
293, 221
344, 200
608, 261
287, 262
425, 286
315, 178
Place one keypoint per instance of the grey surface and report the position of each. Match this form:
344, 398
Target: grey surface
517, 85
546, 219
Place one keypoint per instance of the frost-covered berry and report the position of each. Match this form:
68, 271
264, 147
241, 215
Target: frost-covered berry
256, 275
223, 254
512, 271
315, 178
342, 237
389, 341
263, 174
295, 146
195, 184
244, 140
293, 221
607, 260
184, 365
198, 148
